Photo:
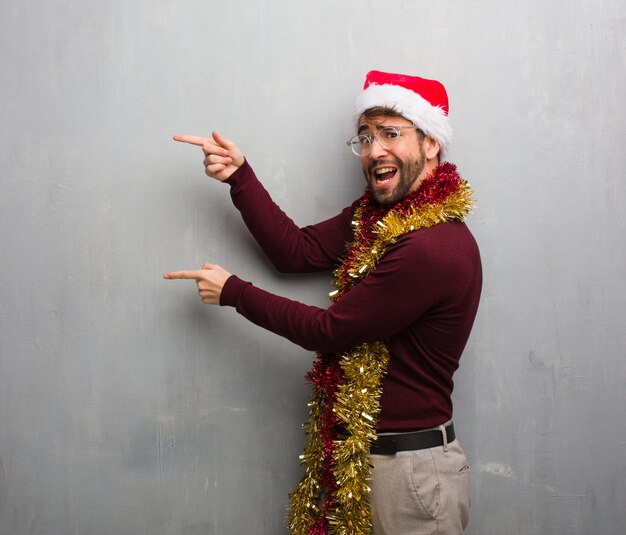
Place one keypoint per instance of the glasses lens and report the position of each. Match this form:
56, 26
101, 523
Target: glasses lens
359, 145
388, 136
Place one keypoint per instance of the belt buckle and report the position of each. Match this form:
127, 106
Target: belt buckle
384, 446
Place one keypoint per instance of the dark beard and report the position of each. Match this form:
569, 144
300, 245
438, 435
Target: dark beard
409, 171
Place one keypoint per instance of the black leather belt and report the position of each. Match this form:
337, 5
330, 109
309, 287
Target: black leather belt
418, 440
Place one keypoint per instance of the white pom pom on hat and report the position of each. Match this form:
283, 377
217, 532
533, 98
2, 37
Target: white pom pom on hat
423, 102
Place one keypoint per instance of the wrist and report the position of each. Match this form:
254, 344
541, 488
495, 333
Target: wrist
232, 290
237, 173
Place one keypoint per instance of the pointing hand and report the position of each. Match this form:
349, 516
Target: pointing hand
210, 281
221, 156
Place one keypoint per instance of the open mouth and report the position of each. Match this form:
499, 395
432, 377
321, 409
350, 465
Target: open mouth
382, 175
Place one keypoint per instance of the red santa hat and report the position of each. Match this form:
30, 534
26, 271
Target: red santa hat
421, 101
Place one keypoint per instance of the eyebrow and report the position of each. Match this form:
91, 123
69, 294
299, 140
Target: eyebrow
365, 126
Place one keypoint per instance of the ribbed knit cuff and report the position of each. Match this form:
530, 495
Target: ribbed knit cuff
231, 292
241, 171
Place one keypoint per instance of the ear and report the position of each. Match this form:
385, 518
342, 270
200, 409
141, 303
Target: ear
431, 148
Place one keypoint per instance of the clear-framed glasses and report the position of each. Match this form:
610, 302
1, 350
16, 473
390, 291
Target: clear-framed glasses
387, 136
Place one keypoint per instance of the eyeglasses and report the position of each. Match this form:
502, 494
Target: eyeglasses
387, 136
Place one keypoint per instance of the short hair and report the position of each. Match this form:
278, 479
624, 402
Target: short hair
377, 111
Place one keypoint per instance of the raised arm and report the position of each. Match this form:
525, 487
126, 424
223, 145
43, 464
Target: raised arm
291, 249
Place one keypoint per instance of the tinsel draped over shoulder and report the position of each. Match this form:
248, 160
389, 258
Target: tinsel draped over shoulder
332, 496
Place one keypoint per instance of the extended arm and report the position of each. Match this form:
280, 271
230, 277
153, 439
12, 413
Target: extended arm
290, 248
378, 307
425, 273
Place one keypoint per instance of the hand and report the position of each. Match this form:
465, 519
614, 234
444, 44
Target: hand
210, 280
221, 156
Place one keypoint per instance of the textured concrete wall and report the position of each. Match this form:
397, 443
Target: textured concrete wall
128, 407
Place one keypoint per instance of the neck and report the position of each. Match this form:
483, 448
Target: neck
427, 172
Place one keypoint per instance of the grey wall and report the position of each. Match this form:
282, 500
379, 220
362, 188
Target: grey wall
128, 407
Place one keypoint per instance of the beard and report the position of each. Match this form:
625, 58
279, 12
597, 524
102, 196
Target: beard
408, 172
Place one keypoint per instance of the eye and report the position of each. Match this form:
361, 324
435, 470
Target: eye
364, 140
389, 133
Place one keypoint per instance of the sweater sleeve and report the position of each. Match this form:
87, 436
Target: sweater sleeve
419, 274
291, 249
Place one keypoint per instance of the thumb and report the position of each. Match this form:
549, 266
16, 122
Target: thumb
222, 141
207, 266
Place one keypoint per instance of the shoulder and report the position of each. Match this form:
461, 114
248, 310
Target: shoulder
447, 247
451, 238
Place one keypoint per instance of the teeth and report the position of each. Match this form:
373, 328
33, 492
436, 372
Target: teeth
383, 170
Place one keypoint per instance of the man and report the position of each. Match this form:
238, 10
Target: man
408, 279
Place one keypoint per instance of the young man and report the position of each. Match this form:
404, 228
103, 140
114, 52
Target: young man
381, 447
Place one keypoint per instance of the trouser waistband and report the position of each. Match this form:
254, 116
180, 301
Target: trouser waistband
417, 440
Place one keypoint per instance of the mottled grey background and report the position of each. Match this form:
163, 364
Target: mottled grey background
128, 407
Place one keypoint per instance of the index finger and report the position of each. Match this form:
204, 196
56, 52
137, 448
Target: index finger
193, 274
194, 140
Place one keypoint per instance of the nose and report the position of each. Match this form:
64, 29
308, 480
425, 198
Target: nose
376, 149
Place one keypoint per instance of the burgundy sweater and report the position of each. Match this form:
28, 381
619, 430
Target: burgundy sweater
421, 298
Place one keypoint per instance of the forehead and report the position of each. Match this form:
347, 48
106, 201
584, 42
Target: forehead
383, 120
378, 121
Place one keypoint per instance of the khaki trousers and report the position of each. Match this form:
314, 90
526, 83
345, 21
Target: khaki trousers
425, 492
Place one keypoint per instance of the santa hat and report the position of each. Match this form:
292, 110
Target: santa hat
421, 101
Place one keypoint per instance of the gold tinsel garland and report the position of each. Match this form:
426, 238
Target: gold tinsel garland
357, 403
